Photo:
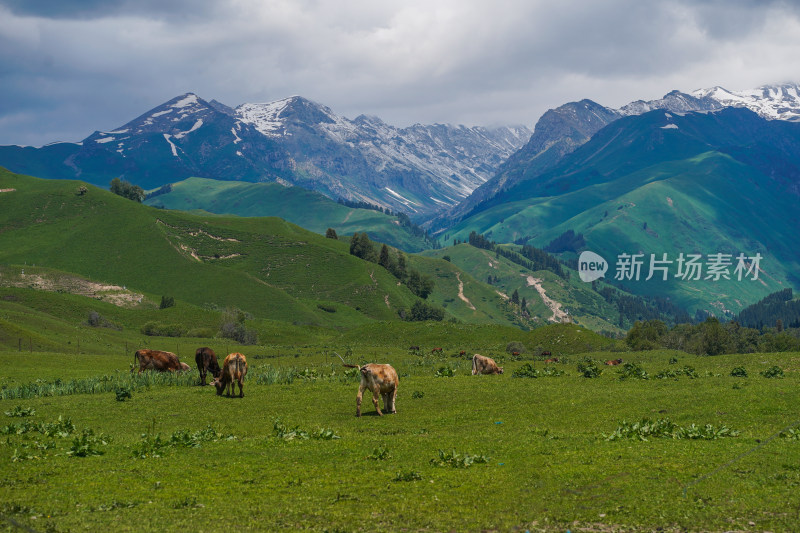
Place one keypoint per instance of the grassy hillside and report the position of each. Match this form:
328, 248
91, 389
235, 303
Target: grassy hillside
644, 185
265, 266
303, 207
106, 247
574, 299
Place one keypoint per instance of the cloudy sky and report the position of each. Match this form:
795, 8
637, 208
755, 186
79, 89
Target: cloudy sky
69, 67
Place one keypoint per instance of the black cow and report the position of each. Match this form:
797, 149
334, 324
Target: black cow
206, 361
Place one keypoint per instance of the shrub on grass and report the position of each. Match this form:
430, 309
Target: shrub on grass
739, 372
588, 368
772, 372
525, 371
632, 371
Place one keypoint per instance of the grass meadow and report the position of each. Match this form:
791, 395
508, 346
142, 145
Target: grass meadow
85, 446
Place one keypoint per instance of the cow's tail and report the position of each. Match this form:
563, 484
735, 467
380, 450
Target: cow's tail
135, 361
474, 366
348, 365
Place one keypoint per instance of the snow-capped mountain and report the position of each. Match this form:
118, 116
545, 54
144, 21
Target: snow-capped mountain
776, 102
560, 131
418, 170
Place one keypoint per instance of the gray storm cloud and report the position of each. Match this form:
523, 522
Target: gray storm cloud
70, 67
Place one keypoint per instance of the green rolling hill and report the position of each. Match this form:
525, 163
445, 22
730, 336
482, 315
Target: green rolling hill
658, 183
308, 209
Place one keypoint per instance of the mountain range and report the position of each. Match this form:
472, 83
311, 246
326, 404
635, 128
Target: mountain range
711, 171
417, 170
560, 131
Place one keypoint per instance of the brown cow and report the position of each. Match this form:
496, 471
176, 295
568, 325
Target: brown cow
614, 362
551, 360
234, 368
484, 365
462, 352
157, 360
185, 367
436, 350
380, 379
206, 361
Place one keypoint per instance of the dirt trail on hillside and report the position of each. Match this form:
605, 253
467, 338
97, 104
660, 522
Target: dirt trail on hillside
461, 292
554, 306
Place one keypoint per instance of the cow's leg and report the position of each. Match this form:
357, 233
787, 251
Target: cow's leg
358, 399
375, 394
202, 376
392, 397
241, 391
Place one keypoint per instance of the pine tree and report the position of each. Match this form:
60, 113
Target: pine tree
331, 234
515, 297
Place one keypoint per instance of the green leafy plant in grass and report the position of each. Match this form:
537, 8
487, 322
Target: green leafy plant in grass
739, 372
281, 431
673, 360
324, 434
188, 439
632, 371
417, 394
552, 372
407, 476
772, 372
444, 372
150, 446
665, 428
18, 410
525, 371
87, 444
381, 453
686, 370
588, 368
790, 434
123, 393
457, 460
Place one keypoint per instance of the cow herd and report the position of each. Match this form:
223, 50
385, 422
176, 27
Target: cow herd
380, 379
233, 370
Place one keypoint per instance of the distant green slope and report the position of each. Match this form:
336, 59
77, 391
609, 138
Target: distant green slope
663, 184
266, 266
575, 299
56, 238
309, 209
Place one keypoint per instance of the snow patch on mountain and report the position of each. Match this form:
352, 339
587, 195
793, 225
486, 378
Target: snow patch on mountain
775, 102
266, 118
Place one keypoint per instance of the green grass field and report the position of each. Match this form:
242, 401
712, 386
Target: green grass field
548, 465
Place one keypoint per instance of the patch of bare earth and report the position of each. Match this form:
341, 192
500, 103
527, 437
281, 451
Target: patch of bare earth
558, 314
113, 294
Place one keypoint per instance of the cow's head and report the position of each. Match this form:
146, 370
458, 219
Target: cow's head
499, 369
218, 385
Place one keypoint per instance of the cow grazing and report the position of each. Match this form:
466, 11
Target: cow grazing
515, 354
614, 362
484, 365
413, 348
462, 353
545, 353
207, 362
436, 350
551, 360
381, 380
185, 367
234, 369
157, 360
